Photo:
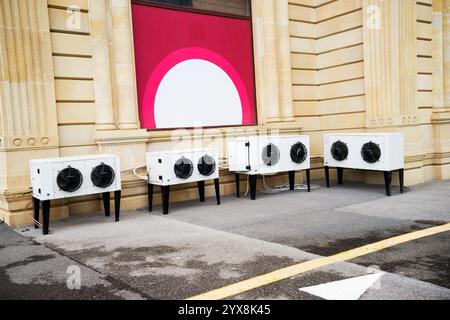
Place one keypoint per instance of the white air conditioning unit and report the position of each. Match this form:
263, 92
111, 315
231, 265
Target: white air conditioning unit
365, 151
265, 155
60, 178
168, 168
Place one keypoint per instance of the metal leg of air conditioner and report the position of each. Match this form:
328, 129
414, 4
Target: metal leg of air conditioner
45, 216
106, 203
402, 180
308, 179
165, 192
238, 181
36, 208
327, 175
217, 187
150, 197
388, 182
201, 190
253, 182
292, 180
117, 198
340, 172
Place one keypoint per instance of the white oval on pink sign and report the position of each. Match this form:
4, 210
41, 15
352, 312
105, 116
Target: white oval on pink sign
197, 93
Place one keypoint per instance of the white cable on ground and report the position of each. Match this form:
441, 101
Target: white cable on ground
145, 178
248, 186
284, 187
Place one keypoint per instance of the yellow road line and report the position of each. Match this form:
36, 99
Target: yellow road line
282, 274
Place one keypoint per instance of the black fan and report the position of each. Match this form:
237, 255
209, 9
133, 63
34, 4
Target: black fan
271, 155
184, 168
371, 152
339, 151
299, 153
206, 165
102, 176
69, 179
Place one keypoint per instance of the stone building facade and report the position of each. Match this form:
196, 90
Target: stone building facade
68, 87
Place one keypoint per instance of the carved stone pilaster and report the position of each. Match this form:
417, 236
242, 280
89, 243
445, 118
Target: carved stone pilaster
28, 118
123, 65
27, 95
284, 60
272, 60
446, 43
101, 65
390, 58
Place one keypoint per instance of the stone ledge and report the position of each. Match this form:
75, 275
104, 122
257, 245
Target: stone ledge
441, 116
120, 136
208, 133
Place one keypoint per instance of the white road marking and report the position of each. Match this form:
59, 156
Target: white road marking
348, 289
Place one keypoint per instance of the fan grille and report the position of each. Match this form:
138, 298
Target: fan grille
103, 176
339, 151
184, 168
69, 179
371, 152
206, 165
299, 153
271, 155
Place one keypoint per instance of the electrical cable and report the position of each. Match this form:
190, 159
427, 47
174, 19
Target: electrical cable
284, 187
31, 219
248, 187
145, 178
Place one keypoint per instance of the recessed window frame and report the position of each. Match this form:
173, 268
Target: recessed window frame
218, 14
194, 10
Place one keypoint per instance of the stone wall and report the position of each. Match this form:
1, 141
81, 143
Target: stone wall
68, 87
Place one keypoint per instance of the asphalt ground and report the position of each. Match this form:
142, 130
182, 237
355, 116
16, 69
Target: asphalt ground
200, 247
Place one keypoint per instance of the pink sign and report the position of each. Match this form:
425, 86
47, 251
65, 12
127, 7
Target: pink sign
193, 70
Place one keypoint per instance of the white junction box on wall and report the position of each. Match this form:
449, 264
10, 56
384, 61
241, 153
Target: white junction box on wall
365, 151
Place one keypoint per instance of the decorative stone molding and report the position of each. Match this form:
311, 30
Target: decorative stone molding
390, 62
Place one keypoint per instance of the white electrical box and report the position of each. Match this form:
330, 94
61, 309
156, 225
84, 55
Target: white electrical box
374, 151
177, 167
269, 154
59, 178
